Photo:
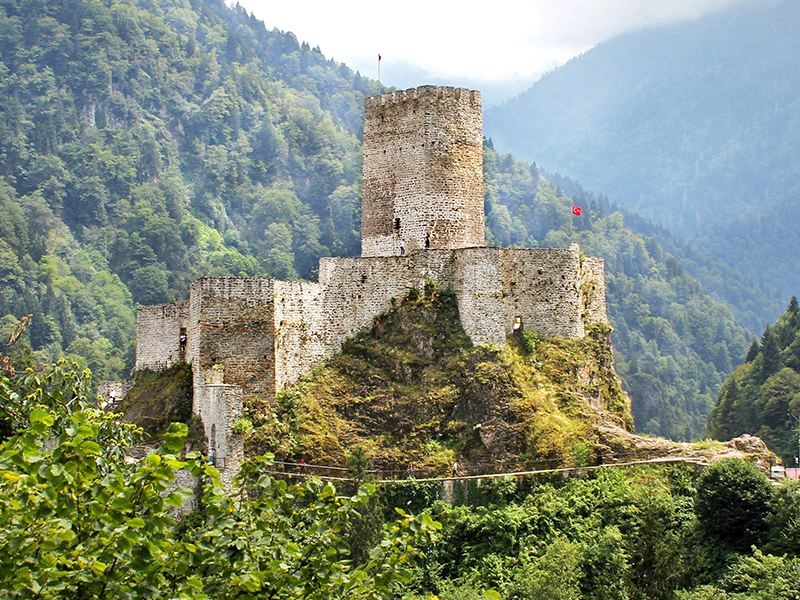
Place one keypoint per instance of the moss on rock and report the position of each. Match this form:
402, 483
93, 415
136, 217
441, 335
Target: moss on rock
414, 390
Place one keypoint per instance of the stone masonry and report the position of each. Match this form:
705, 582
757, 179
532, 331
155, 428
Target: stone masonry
423, 170
422, 175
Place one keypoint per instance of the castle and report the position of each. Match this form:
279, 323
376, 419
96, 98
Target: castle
422, 220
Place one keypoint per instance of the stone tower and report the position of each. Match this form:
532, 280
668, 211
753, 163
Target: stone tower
423, 170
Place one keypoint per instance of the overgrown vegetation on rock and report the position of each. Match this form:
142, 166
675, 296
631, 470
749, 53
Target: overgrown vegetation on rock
160, 398
413, 390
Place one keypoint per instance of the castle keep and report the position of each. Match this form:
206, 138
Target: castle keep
423, 170
423, 177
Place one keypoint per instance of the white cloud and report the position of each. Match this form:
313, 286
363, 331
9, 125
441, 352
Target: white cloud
506, 44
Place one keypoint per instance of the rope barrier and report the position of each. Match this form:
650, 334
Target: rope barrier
469, 471
666, 460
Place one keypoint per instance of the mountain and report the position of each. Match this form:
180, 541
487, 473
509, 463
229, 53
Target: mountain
694, 126
144, 145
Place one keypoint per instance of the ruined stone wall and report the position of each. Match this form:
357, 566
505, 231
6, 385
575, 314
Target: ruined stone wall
422, 170
593, 286
220, 406
542, 287
235, 328
158, 335
300, 329
356, 290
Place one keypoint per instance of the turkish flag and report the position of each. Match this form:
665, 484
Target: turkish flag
576, 210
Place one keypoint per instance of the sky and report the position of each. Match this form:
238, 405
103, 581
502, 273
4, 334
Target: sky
500, 48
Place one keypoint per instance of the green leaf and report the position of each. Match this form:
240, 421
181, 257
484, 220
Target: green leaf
174, 500
40, 415
90, 447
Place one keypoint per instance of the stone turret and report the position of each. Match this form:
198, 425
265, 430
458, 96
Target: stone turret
423, 170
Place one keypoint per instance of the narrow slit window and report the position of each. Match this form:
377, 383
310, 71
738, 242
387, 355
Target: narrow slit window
397, 224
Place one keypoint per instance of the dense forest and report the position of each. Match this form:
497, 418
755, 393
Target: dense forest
693, 125
142, 146
762, 397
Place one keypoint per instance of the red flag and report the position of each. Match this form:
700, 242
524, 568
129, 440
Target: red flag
576, 210
379, 58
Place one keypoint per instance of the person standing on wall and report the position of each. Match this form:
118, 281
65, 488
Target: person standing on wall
427, 240
402, 248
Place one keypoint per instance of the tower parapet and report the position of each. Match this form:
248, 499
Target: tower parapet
422, 171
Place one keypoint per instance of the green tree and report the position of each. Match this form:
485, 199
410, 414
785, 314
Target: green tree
733, 503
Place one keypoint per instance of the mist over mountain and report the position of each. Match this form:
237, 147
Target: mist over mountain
696, 126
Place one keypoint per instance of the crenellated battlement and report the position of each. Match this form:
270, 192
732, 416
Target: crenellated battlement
433, 92
234, 287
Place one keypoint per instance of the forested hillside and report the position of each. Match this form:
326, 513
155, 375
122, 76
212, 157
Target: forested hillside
143, 145
690, 125
762, 397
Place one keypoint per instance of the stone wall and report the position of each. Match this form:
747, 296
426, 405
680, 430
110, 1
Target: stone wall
235, 317
356, 290
158, 329
300, 331
542, 288
593, 286
265, 334
493, 286
220, 406
422, 170
478, 285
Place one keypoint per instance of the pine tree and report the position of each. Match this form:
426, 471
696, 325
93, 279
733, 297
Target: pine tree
753, 352
793, 311
772, 361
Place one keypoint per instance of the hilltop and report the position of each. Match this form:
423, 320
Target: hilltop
414, 391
